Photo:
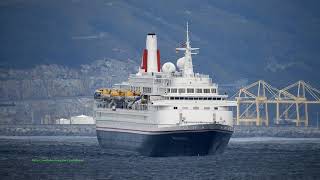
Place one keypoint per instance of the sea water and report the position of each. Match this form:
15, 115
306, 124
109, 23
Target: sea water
76, 157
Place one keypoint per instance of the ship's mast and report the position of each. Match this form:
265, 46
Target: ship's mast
188, 67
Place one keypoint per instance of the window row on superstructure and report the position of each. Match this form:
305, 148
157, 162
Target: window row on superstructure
139, 89
192, 90
196, 108
175, 90
195, 98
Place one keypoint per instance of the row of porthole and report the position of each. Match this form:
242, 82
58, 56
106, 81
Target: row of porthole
195, 98
191, 90
195, 108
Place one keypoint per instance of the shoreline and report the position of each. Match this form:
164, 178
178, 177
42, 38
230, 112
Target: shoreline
234, 139
90, 130
48, 130
276, 131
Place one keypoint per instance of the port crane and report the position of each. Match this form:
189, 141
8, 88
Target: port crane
291, 103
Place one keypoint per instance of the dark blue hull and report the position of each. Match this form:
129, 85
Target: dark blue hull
175, 143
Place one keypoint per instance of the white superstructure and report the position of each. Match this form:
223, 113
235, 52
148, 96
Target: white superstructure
171, 98
164, 113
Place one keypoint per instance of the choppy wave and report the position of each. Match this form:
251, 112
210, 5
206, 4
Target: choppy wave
82, 158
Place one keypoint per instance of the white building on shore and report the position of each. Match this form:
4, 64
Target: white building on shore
82, 119
63, 121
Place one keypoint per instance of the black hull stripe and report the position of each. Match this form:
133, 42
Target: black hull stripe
160, 132
163, 145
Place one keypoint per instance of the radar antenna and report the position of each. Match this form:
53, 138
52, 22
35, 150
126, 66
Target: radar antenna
188, 51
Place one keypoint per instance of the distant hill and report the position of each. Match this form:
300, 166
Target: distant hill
57, 81
32, 95
277, 41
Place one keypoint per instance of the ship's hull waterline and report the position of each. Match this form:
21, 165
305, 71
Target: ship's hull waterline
188, 142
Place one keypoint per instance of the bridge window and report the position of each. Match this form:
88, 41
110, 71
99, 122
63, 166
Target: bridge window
213, 90
206, 108
195, 108
174, 90
184, 107
168, 90
146, 89
206, 90
182, 90
199, 90
190, 90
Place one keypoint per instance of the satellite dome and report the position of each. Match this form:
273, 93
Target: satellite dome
180, 63
168, 67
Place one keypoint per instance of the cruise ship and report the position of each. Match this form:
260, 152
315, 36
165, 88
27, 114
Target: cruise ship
164, 111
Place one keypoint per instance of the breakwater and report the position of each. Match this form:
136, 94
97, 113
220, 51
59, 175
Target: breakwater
274, 131
48, 130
